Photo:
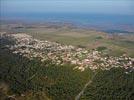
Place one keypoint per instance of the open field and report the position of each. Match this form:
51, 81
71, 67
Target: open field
116, 44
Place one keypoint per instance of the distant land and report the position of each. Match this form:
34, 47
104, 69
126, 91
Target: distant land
106, 22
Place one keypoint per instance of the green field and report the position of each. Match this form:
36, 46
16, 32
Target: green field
91, 39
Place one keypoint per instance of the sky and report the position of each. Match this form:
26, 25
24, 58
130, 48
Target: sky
123, 7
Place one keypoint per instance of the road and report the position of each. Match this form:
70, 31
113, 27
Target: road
84, 88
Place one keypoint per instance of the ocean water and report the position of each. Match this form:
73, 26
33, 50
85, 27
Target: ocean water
102, 21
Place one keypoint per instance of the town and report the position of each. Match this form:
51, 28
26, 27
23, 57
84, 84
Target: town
61, 54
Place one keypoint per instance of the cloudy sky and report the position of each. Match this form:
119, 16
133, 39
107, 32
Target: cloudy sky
124, 7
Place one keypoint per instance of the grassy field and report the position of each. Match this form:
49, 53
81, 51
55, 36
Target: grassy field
115, 44
86, 38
